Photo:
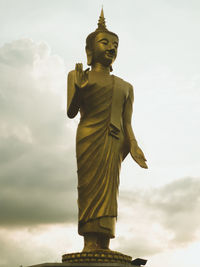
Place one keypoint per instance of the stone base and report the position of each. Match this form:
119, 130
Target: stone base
89, 264
98, 258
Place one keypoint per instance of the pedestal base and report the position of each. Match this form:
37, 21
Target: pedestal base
98, 258
89, 264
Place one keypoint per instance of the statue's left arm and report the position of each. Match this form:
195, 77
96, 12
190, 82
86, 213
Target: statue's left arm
135, 150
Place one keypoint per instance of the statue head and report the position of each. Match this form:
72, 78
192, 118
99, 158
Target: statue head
101, 45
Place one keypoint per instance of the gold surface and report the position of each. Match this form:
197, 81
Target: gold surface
103, 256
104, 135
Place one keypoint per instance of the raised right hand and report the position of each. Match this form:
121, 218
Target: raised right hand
81, 77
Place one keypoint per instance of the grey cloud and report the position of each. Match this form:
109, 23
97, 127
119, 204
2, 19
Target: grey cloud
173, 207
38, 189
139, 246
11, 148
177, 206
37, 160
18, 251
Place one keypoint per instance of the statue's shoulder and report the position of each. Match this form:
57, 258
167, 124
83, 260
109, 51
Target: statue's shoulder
123, 83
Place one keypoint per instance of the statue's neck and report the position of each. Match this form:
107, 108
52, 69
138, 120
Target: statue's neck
98, 67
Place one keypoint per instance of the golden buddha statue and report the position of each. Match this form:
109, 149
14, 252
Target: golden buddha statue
104, 136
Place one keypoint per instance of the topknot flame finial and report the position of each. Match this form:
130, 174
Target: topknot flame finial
101, 22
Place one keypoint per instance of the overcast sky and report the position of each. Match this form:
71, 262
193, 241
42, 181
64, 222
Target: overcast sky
159, 53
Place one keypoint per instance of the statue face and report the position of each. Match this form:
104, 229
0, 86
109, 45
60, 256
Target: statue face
105, 48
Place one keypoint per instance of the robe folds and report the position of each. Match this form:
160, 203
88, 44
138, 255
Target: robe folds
101, 145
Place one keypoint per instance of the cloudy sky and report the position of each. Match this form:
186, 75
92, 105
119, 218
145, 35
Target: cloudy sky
159, 53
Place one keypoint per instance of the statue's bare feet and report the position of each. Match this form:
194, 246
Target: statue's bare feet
95, 241
90, 242
103, 241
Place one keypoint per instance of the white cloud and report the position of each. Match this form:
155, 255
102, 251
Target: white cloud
37, 141
177, 206
33, 245
161, 219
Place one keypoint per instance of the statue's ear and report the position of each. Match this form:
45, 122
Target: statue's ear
89, 56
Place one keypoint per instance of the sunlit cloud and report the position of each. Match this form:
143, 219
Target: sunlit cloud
37, 167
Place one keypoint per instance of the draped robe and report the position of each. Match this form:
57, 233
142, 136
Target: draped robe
101, 146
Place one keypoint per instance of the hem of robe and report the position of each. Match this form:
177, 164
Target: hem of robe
104, 225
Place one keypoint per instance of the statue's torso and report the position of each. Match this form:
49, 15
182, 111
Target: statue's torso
96, 97
104, 94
